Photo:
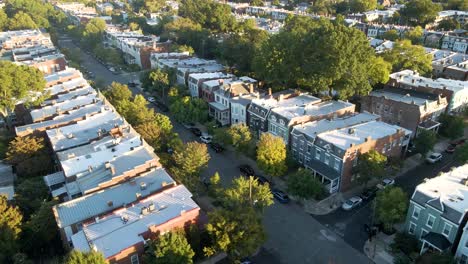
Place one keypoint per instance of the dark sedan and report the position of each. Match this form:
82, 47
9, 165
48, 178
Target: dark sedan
280, 196
246, 170
216, 147
197, 132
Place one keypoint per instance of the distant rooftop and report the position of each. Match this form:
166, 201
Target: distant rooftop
93, 204
70, 95
67, 86
284, 101
405, 96
50, 110
123, 228
210, 75
409, 77
61, 74
311, 109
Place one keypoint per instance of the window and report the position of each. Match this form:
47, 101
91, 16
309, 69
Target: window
412, 228
336, 164
430, 221
416, 211
317, 154
309, 149
447, 229
327, 159
134, 259
423, 233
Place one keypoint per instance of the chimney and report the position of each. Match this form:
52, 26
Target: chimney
220, 81
90, 168
367, 139
251, 88
269, 92
110, 203
281, 97
112, 169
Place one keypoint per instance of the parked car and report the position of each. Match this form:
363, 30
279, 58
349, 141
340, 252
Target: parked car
246, 170
151, 99
216, 147
457, 142
351, 203
206, 139
280, 196
368, 194
451, 148
197, 132
188, 125
434, 157
131, 84
262, 180
112, 69
385, 183
246, 261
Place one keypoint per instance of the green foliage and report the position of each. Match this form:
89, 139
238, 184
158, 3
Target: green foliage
405, 243
10, 228
182, 48
210, 14
391, 35
404, 56
214, 188
155, 133
110, 55
457, 5
159, 82
93, 32
323, 8
43, 15
187, 109
448, 24
170, 248
359, 6
346, 72
19, 82
21, 21
30, 194
240, 137
371, 165
436, 257
415, 35
392, 203
461, 153
420, 12
190, 160
303, 185
29, 155
118, 92
425, 141
91, 257
239, 232
451, 126
271, 155
247, 192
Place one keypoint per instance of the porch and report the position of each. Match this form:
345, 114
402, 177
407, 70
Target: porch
220, 113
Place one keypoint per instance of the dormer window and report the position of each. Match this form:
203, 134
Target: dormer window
282, 122
273, 118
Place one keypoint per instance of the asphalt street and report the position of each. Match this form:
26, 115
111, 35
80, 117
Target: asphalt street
293, 235
350, 224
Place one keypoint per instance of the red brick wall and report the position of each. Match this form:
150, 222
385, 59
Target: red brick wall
48, 67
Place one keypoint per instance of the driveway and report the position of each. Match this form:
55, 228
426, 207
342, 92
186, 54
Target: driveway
293, 236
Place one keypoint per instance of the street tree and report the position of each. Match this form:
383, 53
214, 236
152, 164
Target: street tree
156, 132
425, 142
3, 20
420, 12
19, 83
415, 35
359, 6
304, 185
247, 192
79, 257
21, 21
239, 232
370, 165
457, 5
190, 160
405, 56
159, 82
240, 137
187, 109
448, 24
117, 93
461, 153
93, 32
451, 126
391, 206
170, 248
391, 35
29, 156
347, 72
271, 155
10, 228
30, 194
380, 71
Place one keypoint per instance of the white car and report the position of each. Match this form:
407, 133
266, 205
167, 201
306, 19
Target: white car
206, 139
151, 99
434, 157
351, 203
385, 183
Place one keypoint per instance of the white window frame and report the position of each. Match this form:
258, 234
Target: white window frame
326, 160
423, 232
134, 258
414, 210
433, 221
336, 164
318, 154
409, 228
449, 229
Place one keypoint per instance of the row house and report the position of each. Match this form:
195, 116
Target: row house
437, 214
456, 92
373, 15
62, 77
433, 39
406, 108
71, 215
442, 59
457, 71
209, 87
330, 148
77, 13
459, 15
220, 108
185, 68
23, 39
47, 59
377, 30
281, 119
156, 57
455, 43
195, 81
122, 235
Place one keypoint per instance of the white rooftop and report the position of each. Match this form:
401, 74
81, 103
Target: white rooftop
312, 129
123, 228
342, 138
93, 204
449, 187
311, 109
83, 131
67, 86
409, 77
64, 106
210, 75
299, 100
61, 74
70, 95
405, 98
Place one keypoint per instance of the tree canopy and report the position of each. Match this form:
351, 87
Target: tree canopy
170, 248
190, 160
29, 156
359, 6
30, 194
247, 192
79, 257
298, 57
451, 126
420, 12
405, 56
20, 83
461, 153
21, 21
10, 228
210, 14
303, 185
240, 137
425, 141
392, 203
370, 165
271, 155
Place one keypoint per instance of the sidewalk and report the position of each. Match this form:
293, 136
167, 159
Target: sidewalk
378, 248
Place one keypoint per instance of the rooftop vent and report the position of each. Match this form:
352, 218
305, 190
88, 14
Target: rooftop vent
151, 207
124, 219
70, 135
351, 131
110, 203
143, 186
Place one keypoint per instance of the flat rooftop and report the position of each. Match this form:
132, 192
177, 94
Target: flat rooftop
312, 129
83, 131
50, 110
61, 75
94, 204
411, 78
70, 95
81, 112
123, 228
210, 75
405, 96
67, 86
357, 134
312, 109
